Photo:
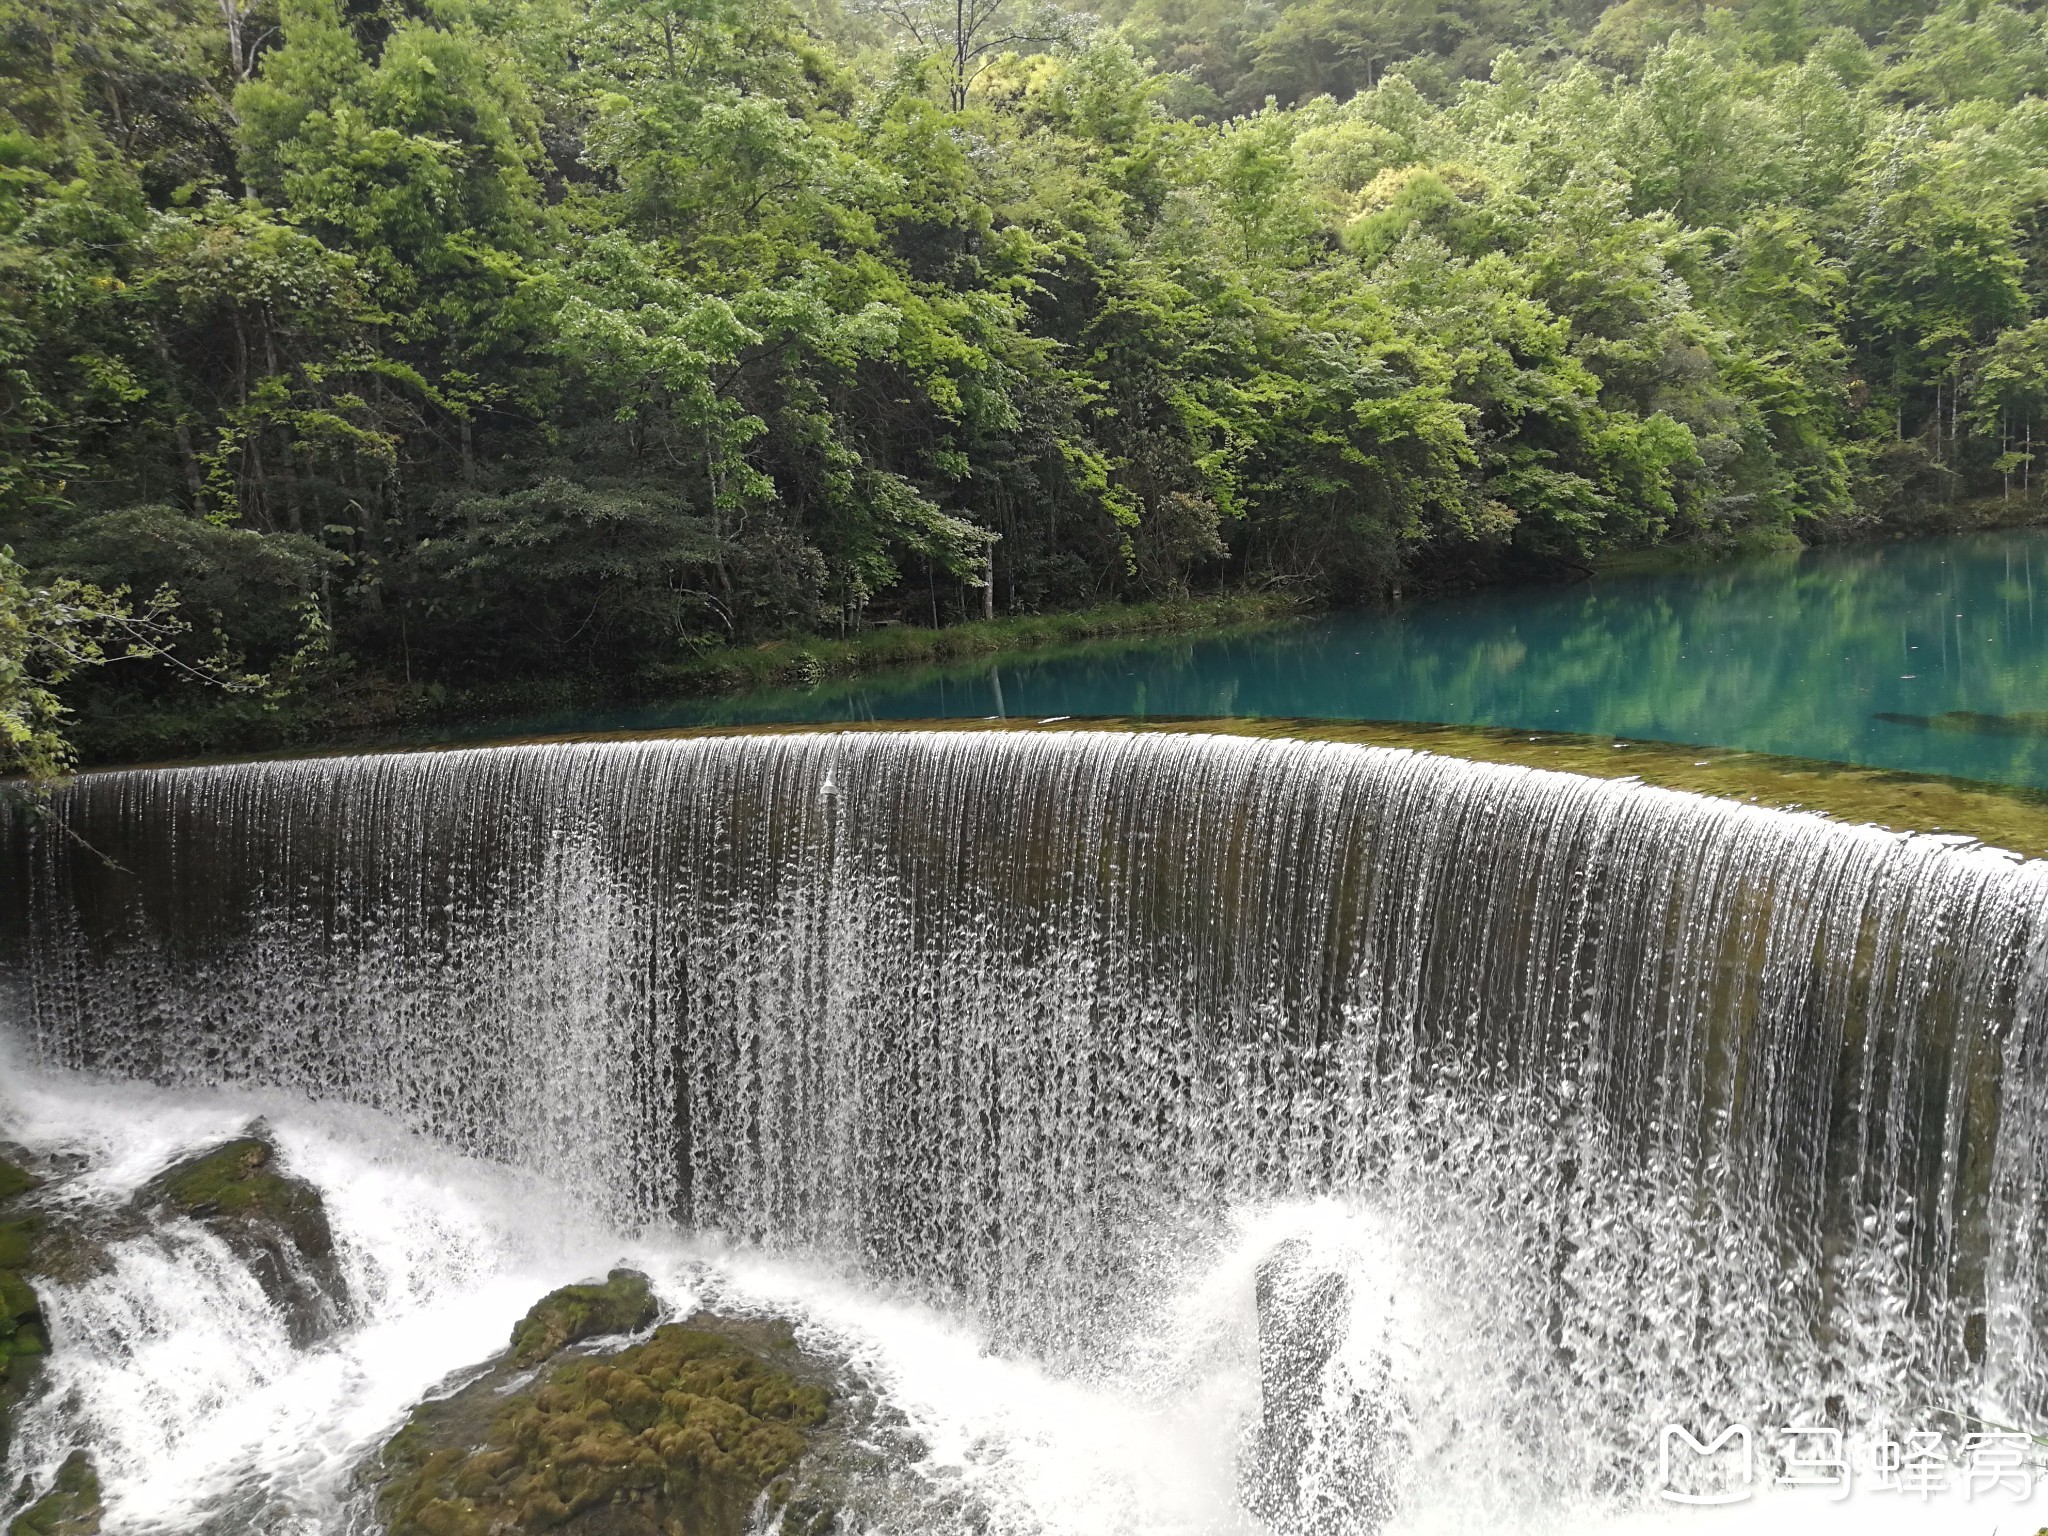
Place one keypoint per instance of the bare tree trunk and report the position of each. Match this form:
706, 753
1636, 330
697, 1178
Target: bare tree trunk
960, 44
241, 46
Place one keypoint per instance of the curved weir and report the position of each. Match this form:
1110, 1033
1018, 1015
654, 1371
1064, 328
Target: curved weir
1660, 1108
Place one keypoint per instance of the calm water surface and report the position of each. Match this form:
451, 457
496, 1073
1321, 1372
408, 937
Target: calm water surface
1928, 656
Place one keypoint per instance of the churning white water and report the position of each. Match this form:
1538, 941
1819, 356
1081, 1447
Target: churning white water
204, 1417
1182, 1134
180, 1374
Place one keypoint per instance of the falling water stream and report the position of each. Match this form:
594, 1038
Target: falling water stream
1044, 1076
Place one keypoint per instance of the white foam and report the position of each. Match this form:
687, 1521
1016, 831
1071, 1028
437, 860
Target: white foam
192, 1395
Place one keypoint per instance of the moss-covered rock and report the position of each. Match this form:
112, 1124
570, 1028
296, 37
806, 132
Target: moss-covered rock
24, 1340
24, 1337
276, 1224
240, 1178
21, 1318
14, 1178
71, 1508
676, 1436
623, 1304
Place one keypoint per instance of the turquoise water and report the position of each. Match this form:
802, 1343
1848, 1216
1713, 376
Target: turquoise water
1928, 656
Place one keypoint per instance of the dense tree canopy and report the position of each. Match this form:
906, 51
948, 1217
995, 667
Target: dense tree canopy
460, 340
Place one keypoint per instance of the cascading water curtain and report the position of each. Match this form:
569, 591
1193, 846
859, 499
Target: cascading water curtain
1675, 1108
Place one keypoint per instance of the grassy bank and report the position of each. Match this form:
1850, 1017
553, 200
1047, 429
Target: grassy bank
196, 724
800, 663
1662, 559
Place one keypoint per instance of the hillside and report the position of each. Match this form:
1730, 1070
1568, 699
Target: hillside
458, 344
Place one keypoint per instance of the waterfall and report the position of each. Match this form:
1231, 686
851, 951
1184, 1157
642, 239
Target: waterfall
1673, 1109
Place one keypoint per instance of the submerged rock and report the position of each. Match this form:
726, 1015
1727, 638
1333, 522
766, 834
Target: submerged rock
677, 1435
71, 1508
1323, 1456
275, 1223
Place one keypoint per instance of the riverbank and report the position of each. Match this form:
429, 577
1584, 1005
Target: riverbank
971, 668
801, 663
353, 714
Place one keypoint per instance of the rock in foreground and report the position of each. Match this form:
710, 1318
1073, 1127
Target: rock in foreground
23, 1336
623, 1304
72, 1508
678, 1435
274, 1223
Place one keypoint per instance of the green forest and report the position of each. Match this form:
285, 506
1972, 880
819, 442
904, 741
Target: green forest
361, 355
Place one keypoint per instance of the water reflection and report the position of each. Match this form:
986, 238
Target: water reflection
1929, 656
